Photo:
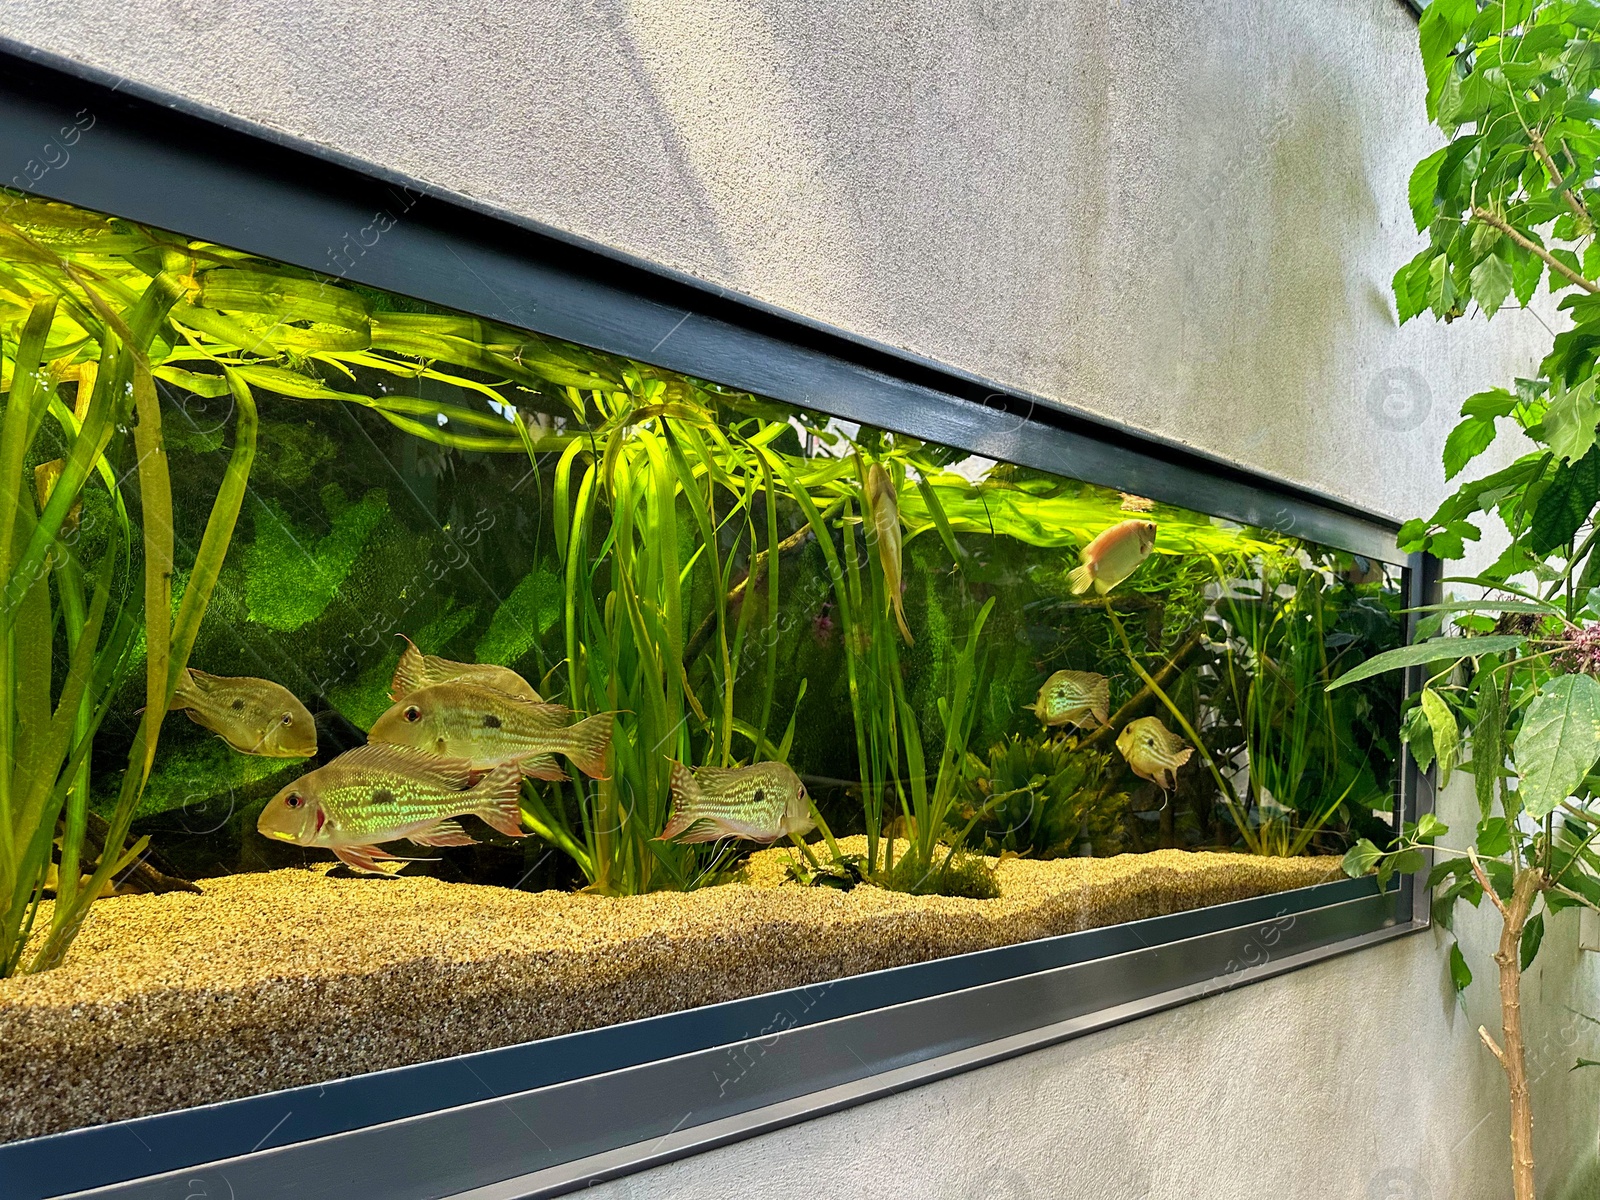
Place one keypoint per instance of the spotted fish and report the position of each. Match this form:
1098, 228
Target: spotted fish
486, 726
759, 803
1112, 557
1080, 698
1153, 751
376, 794
883, 504
417, 670
254, 716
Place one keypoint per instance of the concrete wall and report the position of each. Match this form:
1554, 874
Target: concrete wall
1183, 216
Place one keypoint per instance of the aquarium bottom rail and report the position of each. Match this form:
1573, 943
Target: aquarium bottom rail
558, 1138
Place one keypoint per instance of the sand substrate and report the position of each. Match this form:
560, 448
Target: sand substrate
289, 977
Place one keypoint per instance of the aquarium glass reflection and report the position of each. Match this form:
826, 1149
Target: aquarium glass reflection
310, 578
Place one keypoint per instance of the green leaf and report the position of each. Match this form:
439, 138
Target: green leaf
1526, 271
1565, 504
1417, 734
1424, 184
1569, 423
1431, 651
1460, 973
1559, 742
1440, 30
1494, 837
1491, 284
1429, 827
1361, 858
1532, 935
1466, 441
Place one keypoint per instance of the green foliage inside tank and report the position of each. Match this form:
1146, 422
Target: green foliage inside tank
733, 581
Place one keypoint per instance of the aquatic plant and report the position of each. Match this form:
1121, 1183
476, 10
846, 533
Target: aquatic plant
47, 732
1043, 796
1273, 669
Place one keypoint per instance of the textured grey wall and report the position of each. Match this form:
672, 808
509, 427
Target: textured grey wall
1183, 216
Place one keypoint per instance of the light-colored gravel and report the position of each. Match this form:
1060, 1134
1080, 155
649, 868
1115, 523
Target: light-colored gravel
271, 980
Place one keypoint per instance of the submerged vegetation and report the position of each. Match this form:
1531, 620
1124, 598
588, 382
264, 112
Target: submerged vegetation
779, 621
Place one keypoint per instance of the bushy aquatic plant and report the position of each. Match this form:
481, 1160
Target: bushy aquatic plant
1045, 797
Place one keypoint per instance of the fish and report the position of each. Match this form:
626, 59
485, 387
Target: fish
1153, 751
1113, 556
417, 670
759, 803
254, 716
1074, 698
378, 793
883, 504
486, 727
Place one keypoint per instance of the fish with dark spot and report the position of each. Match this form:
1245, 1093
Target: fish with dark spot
486, 726
378, 793
254, 716
759, 803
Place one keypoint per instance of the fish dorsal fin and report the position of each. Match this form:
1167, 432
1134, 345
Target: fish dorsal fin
711, 776
408, 672
453, 773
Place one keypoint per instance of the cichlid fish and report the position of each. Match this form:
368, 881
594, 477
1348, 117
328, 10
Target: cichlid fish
486, 726
1113, 556
759, 803
1153, 751
417, 670
884, 506
1077, 698
254, 716
378, 794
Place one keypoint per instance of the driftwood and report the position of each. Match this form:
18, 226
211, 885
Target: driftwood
1145, 698
147, 873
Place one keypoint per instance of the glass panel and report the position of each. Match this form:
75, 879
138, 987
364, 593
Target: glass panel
530, 689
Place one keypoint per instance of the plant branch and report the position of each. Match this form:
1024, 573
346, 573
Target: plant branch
1573, 203
1555, 264
1483, 880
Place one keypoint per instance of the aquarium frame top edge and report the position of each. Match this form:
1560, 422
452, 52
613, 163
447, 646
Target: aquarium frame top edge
268, 192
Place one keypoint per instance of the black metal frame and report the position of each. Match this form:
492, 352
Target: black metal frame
613, 1100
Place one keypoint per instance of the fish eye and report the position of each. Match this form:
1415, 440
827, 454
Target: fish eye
293, 800
288, 718
413, 713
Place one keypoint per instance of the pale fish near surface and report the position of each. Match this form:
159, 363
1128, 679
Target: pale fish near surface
417, 670
883, 505
759, 803
1074, 698
380, 793
1153, 751
1113, 556
254, 716
486, 726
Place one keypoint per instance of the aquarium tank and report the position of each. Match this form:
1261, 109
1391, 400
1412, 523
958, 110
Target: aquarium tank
366, 658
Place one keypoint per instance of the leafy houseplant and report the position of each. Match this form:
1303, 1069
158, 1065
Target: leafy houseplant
1509, 205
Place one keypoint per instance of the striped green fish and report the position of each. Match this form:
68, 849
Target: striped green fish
486, 726
759, 803
378, 794
417, 670
1074, 698
1153, 751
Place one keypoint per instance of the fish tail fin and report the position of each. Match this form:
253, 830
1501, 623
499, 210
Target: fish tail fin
900, 619
686, 797
183, 694
589, 744
501, 792
1080, 579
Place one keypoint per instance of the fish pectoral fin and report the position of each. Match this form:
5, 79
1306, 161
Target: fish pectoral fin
445, 833
371, 860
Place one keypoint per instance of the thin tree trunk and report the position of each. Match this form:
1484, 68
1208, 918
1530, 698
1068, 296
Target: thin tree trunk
1513, 1057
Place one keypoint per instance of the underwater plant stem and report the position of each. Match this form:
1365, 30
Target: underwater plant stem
805, 850
1230, 798
1174, 666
